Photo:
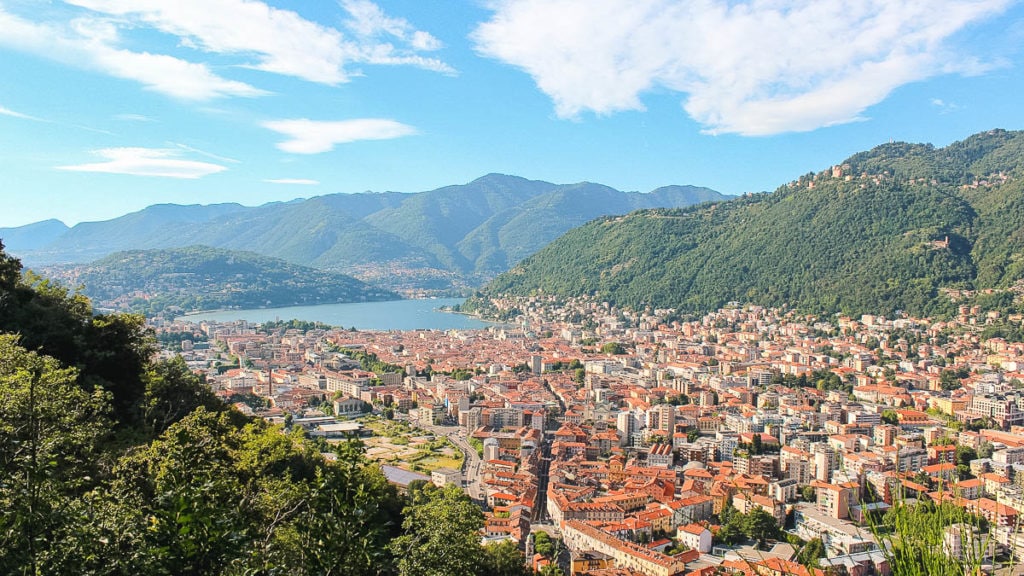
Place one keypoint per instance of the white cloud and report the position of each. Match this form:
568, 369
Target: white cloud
752, 67
249, 33
169, 75
371, 25
146, 162
91, 44
282, 41
314, 137
293, 181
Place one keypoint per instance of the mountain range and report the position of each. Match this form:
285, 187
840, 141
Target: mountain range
454, 236
902, 227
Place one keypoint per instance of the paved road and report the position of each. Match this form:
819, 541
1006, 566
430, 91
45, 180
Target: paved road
470, 461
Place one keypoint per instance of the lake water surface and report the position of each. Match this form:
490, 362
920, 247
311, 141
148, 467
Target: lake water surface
392, 315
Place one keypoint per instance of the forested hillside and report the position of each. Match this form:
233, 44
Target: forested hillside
204, 278
111, 463
895, 228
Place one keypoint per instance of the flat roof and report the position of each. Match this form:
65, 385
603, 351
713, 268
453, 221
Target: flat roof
341, 427
402, 477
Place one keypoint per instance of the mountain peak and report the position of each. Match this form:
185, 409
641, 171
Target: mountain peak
498, 178
32, 236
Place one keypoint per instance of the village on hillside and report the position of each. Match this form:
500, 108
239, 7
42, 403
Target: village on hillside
619, 443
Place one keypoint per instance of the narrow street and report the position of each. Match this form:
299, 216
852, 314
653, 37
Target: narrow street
540, 511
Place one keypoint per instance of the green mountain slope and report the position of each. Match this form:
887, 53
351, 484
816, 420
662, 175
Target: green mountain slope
887, 230
453, 235
307, 233
203, 278
511, 235
438, 220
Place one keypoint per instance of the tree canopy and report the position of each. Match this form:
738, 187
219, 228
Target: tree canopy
113, 463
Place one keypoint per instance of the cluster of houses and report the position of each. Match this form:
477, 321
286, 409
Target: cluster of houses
629, 456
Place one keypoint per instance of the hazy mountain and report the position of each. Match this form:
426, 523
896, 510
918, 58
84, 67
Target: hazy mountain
888, 229
158, 226
32, 236
452, 235
203, 278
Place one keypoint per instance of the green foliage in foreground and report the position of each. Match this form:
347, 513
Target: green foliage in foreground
912, 220
811, 553
113, 464
911, 537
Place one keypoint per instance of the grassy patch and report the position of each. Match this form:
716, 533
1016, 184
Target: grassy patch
399, 444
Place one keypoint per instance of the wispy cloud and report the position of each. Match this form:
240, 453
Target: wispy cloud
158, 162
210, 155
313, 137
749, 67
14, 114
128, 117
375, 29
293, 181
281, 41
8, 112
944, 107
92, 44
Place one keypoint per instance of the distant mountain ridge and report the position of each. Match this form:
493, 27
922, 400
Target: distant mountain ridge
32, 236
899, 227
452, 235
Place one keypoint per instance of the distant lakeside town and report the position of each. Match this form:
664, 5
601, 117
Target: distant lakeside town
658, 444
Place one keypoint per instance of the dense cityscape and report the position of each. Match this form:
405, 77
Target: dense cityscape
749, 440
512, 288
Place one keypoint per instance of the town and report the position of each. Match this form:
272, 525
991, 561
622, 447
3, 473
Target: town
748, 440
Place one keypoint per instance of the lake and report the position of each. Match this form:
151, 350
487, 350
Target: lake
392, 315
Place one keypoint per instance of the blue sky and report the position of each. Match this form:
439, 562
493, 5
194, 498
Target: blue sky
108, 106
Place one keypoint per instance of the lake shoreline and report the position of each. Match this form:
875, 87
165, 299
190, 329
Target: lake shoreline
401, 314
225, 310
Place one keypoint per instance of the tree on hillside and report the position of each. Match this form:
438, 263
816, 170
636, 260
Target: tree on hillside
109, 351
345, 523
542, 544
613, 348
441, 535
504, 559
172, 391
580, 375
759, 525
219, 494
811, 553
50, 434
551, 570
